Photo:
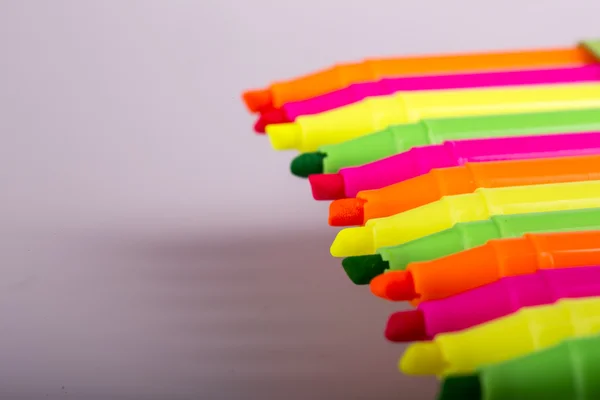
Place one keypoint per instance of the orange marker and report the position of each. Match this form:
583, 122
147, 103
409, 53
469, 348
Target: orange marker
432, 186
479, 266
343, 75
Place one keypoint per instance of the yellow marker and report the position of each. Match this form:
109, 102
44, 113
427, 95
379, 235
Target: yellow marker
309, 132
528, 330
477, 206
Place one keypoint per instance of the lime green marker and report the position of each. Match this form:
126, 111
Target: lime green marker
463, 236
566, 371
400, 138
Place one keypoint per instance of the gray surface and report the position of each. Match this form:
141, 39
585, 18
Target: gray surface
136, 261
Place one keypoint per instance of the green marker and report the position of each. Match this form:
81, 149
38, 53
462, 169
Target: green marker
462, 236
567, 371
400, 138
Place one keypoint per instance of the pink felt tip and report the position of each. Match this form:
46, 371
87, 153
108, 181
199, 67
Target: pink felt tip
270, 117
327, 186
406, 326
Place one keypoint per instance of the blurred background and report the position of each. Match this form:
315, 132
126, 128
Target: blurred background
151, 245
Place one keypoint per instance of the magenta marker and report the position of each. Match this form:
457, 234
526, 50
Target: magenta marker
492, 301
420, 160
359, 91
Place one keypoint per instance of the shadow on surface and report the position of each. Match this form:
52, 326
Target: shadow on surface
273, 313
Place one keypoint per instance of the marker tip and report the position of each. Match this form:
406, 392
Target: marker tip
327, 186
353, 242
284, 136
346, 212
270, 117
307, 164
258, 100
394, 286
422, 358
461, 387
362, 269
406, 326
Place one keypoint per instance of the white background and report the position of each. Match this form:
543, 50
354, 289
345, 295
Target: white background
152, 246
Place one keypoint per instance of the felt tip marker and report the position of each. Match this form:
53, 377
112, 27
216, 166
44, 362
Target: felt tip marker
342, 75
527, 331
480, 205
439, 182
401, 138
309, 132
466, 235
421, 160
387, 86
482, 265
565, 371
490, 302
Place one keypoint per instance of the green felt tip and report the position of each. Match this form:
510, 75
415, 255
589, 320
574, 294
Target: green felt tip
308, 164
362, 269
461, 387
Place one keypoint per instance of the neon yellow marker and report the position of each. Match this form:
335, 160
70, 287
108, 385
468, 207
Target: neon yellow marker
477, 206
309, 132
527, 330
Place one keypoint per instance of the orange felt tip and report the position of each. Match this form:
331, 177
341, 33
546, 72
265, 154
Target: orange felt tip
257, 100
394, 286
346, 212
327, 186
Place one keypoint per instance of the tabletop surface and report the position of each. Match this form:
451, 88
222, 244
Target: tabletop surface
152, 246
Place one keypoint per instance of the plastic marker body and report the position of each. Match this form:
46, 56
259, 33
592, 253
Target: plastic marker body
566, 371
493, 301
482, 265
462, 236
437, 183
360, 91
340, 76
400, 138
477, 206
421, 160
467, 235
309, 132
524, 332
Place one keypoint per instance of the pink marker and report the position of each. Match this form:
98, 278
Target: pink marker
492, 301
420, 160
359, 91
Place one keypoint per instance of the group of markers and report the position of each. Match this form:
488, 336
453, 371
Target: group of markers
469, 186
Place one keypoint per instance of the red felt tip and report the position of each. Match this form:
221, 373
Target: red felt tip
327, 186
406, 326
269, 117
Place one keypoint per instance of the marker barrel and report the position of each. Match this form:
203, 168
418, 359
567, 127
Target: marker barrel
480, 205
467, 235
342, 75
401, 138
501, 258
524, 332
506, 296
310, 132
387, 86
422, 160
436, 183
566, 371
